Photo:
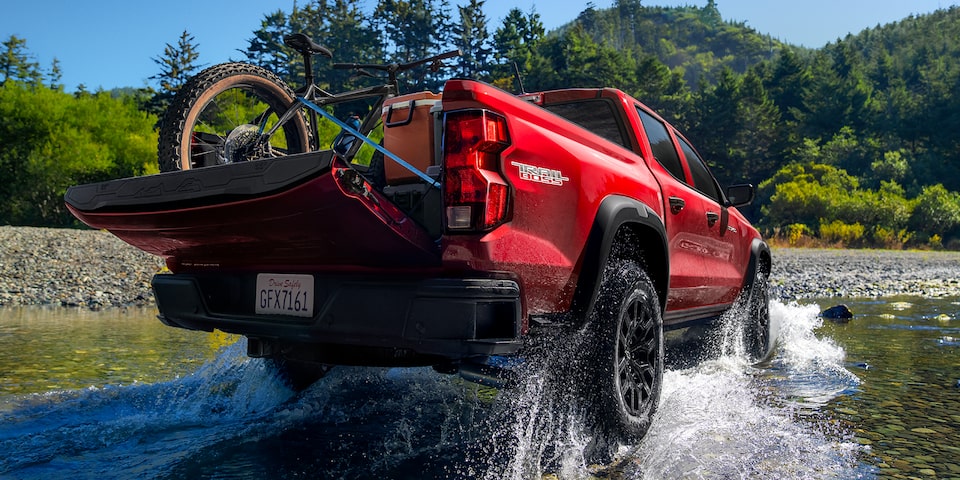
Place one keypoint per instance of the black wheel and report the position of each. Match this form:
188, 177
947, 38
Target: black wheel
625, 369
757, 332
300, 375
216, 116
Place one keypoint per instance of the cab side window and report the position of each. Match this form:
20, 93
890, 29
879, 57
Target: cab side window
663, 150
702, 179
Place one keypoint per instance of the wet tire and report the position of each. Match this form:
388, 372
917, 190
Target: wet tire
211, 105
757, 338
300, 375
625, 365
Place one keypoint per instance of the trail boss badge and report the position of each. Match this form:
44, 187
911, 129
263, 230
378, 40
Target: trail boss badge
540, 175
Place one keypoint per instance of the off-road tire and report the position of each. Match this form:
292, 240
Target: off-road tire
757, 339
625, 361
299, 375
190, 101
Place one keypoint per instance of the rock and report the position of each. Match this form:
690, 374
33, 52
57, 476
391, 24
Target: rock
838, 313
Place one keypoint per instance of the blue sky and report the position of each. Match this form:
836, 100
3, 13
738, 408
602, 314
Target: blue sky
110, 43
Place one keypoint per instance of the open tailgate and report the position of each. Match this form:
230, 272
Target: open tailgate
303, 212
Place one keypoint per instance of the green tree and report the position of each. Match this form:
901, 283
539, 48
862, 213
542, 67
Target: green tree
787, 84
54, 140
804, 194
55, 75
16, 65
937, 211
351, 37
473, 38
663, 90
414, 29
266, 47
753, 155
177, 64
516, 42
718, 111
587, 64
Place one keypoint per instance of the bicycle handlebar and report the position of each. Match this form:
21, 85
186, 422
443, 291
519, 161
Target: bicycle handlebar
398, 67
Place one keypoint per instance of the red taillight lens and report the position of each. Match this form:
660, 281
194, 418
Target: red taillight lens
475, 193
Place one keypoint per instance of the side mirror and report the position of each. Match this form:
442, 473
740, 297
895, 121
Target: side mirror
740, 195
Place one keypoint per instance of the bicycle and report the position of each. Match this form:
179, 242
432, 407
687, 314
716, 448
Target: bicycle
235, 112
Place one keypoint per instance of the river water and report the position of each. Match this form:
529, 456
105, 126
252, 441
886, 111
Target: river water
115, 394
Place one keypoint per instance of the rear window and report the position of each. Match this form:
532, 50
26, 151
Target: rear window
597, 116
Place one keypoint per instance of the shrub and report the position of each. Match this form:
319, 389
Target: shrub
842, 233
935, 242
937, 211
889, 238
795, 233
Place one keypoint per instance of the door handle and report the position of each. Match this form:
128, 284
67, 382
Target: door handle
676, 204
712, 218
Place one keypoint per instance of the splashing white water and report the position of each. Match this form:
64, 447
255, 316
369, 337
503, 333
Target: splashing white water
723, 418
93, 430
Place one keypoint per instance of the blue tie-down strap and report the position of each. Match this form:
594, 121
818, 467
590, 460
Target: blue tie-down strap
368, 141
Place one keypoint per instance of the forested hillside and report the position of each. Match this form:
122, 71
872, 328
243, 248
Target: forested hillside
853, 144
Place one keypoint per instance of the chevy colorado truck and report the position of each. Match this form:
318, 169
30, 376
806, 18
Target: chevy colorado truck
577, 208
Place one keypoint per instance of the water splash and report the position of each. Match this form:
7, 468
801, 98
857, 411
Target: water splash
100, 431
722, 418
809, 370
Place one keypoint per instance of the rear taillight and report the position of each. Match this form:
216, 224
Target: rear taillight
475, 193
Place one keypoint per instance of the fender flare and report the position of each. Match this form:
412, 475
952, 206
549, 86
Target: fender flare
758, 249
615, 212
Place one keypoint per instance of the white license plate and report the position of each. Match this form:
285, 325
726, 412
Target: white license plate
281, 294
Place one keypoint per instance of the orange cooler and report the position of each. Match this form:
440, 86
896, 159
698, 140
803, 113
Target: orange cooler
408, 127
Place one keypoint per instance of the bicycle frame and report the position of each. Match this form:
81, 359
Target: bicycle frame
314, 98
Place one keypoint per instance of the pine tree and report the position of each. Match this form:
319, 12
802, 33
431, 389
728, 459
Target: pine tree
516, 42
16, 65
413, 29
55, 75
352, 39
473, 38
177, 64
266, 48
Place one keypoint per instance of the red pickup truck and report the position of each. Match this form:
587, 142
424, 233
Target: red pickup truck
580, 209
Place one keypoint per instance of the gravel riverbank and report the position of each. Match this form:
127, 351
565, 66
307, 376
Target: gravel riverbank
94, 269
73, 268
804, 273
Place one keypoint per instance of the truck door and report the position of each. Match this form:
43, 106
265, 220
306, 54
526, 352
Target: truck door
720, 235
683, 218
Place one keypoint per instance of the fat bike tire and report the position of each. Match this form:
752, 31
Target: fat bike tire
209, 107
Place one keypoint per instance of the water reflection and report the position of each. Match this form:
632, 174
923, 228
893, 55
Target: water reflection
57, 348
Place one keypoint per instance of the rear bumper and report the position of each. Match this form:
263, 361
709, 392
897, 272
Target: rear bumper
403, 320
